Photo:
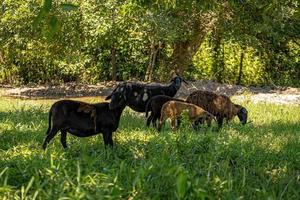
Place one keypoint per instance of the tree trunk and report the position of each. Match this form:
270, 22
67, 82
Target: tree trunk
222, 62
182, 56
184, 51
152, 60
149, 65
153, 64
238, 82
1, 57
218, 64
113, 48
113, 63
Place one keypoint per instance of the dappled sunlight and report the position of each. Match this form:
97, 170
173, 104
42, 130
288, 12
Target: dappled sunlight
269, 142
87, 51
234, 134
263, 152
25, 151
276, 174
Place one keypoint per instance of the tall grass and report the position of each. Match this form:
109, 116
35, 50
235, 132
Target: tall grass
258, 161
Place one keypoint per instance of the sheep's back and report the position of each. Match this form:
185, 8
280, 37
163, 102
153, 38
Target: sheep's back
211, 102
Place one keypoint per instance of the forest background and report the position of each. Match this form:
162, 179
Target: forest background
241, 42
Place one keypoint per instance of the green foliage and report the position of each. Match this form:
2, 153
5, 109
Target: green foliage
181, 185
51, 41
253, 65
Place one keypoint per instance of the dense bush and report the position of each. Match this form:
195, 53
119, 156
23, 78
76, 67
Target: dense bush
52, 42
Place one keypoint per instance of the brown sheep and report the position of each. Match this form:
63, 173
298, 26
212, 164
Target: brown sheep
154, 105
173, 110
218, 105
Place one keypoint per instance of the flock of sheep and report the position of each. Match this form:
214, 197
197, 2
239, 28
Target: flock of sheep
82, 119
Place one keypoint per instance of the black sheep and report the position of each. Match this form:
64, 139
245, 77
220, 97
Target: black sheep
137, 94
154, 105
83, 119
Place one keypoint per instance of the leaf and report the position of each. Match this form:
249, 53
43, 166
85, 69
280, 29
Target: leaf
53, 22
39, 18
68, 6
181, 184
29, 185
53, 25
3, 171
47, 5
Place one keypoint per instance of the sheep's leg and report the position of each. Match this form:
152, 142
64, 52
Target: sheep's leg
107, 137
149, 119
154, 119
49, 137
220, 121
173, 124
161, 122
208, 122
63, 139
178, 121
110, 141
194, 124
227, 120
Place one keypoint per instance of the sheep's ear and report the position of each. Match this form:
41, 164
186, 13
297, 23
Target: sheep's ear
108, 97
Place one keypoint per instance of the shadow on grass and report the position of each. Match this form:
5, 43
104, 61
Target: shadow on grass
22, 127
276, 128
151, 160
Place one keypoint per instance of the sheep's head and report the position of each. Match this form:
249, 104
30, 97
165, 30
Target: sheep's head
243, 115
177, 80
118, 99
121, 88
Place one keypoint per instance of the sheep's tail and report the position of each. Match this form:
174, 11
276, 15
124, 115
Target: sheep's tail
49, 122
147, 107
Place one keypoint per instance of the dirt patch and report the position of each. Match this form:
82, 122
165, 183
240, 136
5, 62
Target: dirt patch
271, 98
231, 90
255, 94
58, 91
266, 94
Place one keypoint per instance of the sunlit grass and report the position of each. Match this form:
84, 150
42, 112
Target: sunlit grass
258, 161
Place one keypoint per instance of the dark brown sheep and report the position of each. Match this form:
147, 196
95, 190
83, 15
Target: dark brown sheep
154, 105
218, 105
173, 110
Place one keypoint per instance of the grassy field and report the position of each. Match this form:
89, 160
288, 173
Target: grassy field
258, 161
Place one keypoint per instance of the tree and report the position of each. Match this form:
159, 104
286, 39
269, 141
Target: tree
91, 41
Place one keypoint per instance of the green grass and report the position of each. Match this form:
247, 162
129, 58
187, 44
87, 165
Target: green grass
258, 161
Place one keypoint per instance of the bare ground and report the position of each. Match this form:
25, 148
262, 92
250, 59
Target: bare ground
286, 95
